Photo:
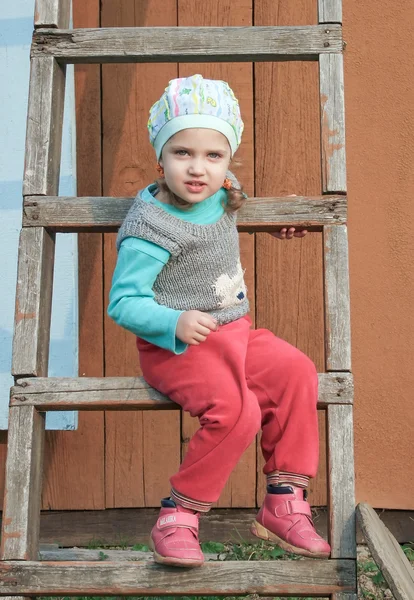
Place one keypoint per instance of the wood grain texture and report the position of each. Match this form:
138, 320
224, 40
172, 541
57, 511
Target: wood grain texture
3, 456
186, 44
330, 11
331, 81
387, 553
134, 473
65, 214
74, 460
264, 578
131, 525
23, 485
44, 127
337, 301
289, 274
133, 393
341, 481
33, 302
52, 13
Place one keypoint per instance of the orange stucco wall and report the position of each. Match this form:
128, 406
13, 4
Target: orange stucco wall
379, 96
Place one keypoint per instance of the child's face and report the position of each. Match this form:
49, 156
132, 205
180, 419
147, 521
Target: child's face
195, 162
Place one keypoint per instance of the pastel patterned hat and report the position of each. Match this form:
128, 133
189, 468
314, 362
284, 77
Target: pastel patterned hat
195, 102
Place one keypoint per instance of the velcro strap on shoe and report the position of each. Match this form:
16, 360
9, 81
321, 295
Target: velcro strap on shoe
291, 507
178, 519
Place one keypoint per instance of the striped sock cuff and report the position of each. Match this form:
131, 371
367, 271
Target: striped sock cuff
189, 502
272, 478
284, 477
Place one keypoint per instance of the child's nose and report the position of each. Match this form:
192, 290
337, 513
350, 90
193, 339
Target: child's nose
197, 167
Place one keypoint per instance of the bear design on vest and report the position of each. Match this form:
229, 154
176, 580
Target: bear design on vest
231, 290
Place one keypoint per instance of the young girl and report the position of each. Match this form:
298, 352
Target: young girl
178, 285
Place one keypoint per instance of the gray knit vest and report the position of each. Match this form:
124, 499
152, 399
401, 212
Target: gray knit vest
203, 272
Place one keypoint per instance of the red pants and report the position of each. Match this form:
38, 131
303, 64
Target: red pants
238, 381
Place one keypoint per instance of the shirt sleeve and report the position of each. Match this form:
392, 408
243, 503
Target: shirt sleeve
131, 299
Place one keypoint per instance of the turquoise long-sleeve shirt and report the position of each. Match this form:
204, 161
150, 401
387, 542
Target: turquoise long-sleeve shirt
131, 299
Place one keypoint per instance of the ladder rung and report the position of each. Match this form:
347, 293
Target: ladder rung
69, 214
133, 393
234, 578
186, 44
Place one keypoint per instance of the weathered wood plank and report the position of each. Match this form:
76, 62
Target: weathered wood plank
44, 127
83, 554
341, 480
52, 13
387, 553
133, 393
131, 525
23, 485
33, 302
264, 578
186, 44
66, 214
330, 11
331, 87
337, 303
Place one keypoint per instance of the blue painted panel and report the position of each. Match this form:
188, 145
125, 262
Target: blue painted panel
16, 26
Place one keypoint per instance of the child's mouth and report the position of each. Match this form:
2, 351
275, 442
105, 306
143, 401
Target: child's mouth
195, 186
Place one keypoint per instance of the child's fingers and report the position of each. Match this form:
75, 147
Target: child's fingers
281, 235
198, 337
202, 330
207, 321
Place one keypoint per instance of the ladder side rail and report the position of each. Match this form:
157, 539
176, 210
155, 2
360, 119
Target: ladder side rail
52, 13
23, 484
341, 496
330, 11
331, 88
30, 354
337, 299
24, 465
44, 127
341, 486
37, 247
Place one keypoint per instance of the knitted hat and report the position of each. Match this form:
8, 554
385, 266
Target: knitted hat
195, 102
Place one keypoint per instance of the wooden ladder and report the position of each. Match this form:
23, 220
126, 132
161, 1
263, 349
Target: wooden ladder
22, 574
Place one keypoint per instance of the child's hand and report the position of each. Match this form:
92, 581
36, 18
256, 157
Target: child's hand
193, 327
288, 234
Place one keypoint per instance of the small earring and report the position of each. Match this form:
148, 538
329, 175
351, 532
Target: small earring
160, 170
227, 184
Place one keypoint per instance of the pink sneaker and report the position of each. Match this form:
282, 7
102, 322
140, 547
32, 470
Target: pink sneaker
285, 518
174, 537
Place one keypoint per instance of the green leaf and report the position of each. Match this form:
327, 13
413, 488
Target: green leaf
140, 547
277, 552
212, 547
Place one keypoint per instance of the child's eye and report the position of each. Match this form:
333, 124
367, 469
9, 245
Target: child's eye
214, 155
181, 152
